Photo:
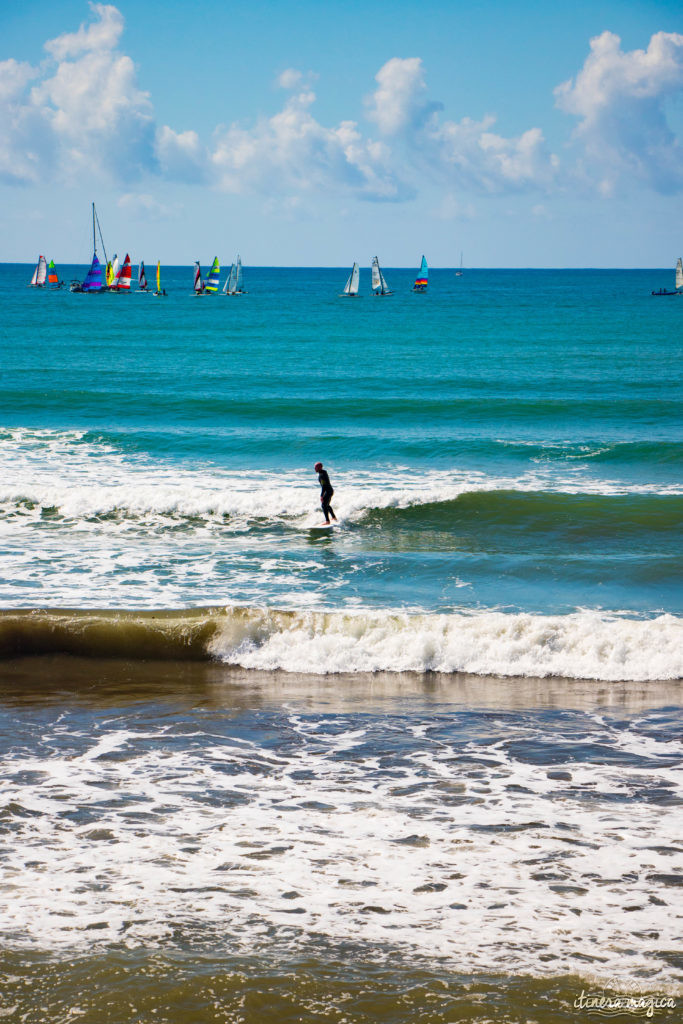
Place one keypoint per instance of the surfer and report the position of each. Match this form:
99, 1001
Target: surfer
326, 491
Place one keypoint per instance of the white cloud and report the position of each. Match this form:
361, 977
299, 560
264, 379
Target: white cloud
621, 99
24, 139
103, 34
181, 155
465, 153
83, 111
293, 152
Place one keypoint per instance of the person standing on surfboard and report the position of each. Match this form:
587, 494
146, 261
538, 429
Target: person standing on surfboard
326, 491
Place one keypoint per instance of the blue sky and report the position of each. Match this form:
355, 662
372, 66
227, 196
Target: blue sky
523, 134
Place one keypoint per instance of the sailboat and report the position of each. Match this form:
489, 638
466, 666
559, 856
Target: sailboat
198, 283
111, 272
122, 283
142, 278
235, 282
159, 292
351, 286
458, 273
39, 274
422, 279
93, 279
52, 275
213, 280
679, 281
379, 285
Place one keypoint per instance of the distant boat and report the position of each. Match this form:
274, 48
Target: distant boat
422, 279
198, 283
351, 286
235, 282
93, 279
123, 277
458, 273
679, 281
142, 278
213, 280
53, 276
39, 274
111, 272
379, 285
159, 292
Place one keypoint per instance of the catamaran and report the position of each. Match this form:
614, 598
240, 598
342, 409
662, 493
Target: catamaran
351, 286
679, 281
213, 280
142, 278
159, 292
379, 285
198, 283
122, 281
39, 274
52, 275
111, 272
93, 279
235, 283
422, 279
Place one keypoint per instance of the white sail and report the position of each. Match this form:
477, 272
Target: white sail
385, 287
34, 279
198, 286
376, 275
42, 271
238, 275
355, 277
679, 273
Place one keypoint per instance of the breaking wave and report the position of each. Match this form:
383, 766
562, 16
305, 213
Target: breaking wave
581, 645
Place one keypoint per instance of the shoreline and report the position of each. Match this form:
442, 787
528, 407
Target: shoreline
31, 678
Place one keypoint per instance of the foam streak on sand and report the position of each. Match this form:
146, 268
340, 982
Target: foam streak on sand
584, 645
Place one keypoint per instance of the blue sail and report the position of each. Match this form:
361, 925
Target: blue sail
93, 279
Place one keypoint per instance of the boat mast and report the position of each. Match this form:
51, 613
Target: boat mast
94, 241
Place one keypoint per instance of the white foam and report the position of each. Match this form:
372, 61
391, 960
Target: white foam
494, 866
583, 645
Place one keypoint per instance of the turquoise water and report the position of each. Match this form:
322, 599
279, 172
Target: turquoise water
509, 442
423, 768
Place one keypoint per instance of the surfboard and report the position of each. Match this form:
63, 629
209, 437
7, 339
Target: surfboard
321, 528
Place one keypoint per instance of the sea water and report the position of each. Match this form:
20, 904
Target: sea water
421, 768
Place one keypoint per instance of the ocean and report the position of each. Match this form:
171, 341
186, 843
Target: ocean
422, 767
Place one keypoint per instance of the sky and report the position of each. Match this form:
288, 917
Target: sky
309, 133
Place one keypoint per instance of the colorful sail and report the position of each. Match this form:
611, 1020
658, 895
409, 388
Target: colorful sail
142, 277
422, 279
52, 276
198, 283
212, 280
158, 277
124, 275
93, 280
112, 272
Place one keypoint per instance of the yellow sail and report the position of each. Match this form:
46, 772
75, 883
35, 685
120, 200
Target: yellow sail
158, 275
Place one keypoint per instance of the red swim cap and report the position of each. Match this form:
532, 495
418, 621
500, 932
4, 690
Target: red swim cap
318, 466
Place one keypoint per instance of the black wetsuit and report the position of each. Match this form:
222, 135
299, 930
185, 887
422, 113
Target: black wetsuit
326, 492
